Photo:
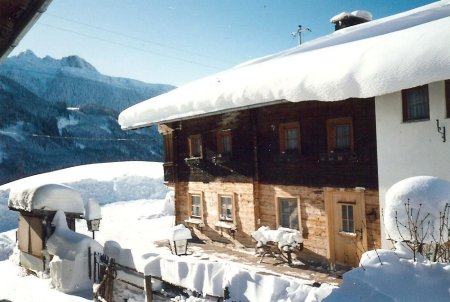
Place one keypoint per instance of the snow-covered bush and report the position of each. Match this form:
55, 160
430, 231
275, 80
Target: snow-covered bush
417, 213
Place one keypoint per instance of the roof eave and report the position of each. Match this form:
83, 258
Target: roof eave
144, 125
28, 24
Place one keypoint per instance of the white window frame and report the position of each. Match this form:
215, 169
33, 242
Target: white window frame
219, 206
278, 209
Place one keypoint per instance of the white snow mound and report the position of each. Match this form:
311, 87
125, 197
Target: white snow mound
426, 197
69, 266
389, 276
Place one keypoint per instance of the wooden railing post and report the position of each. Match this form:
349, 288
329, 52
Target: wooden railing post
148, 288
89, 263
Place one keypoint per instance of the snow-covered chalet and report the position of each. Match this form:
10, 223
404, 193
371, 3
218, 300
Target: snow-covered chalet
312, 137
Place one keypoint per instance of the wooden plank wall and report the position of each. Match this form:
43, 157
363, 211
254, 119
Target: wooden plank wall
238, 169
257, 172
313, 167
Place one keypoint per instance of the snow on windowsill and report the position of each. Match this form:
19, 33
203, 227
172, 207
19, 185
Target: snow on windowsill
225, 225
195, 221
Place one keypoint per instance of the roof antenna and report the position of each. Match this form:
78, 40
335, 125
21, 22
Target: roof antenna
298, 33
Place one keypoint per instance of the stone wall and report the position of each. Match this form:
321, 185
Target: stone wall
244, 210
313, 214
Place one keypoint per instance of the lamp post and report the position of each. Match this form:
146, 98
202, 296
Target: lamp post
93, 226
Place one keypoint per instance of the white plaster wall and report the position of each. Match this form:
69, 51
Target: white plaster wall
412, 148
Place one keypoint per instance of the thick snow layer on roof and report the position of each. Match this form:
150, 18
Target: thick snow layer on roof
49, 197
366, 60
416, 201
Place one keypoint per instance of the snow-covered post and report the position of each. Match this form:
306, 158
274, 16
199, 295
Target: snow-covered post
92, 215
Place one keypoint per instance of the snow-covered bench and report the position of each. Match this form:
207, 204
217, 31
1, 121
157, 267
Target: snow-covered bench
280, 243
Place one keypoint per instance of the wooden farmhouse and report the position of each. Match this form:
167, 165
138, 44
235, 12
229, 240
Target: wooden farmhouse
309, 166
293, 139
37, 206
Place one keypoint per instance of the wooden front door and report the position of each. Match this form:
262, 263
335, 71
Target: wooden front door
347, 227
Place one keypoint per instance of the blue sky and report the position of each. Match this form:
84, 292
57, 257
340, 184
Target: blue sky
178, 41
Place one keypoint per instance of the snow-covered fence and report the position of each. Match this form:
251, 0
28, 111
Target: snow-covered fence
109, 274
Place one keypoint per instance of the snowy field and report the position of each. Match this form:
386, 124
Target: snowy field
132, 221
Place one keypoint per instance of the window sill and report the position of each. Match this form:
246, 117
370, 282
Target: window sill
193, 161
192, 158
416, 121
288, 156
347, 234
221, 158
337, 157
226, 225
195, 221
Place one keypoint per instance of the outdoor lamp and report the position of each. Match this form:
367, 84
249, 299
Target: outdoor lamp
93, 225
178, 238
93, 216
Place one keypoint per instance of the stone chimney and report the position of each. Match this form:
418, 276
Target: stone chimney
345, 19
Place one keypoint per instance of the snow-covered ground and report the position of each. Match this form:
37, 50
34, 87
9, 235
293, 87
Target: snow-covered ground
129, 226
106, 183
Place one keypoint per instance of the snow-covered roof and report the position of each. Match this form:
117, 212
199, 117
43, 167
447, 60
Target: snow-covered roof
48, 197
366, 60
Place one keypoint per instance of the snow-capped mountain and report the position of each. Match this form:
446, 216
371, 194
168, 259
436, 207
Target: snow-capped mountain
61, 113
76, 82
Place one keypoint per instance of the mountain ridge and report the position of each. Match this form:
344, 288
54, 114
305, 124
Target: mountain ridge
56, 114
65, 80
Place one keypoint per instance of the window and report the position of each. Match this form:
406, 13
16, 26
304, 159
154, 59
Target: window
195, 145
348, 224
226, 207
196, 205
447, 96
415, 104
288, 213
224, 143
340, 134
289, 137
